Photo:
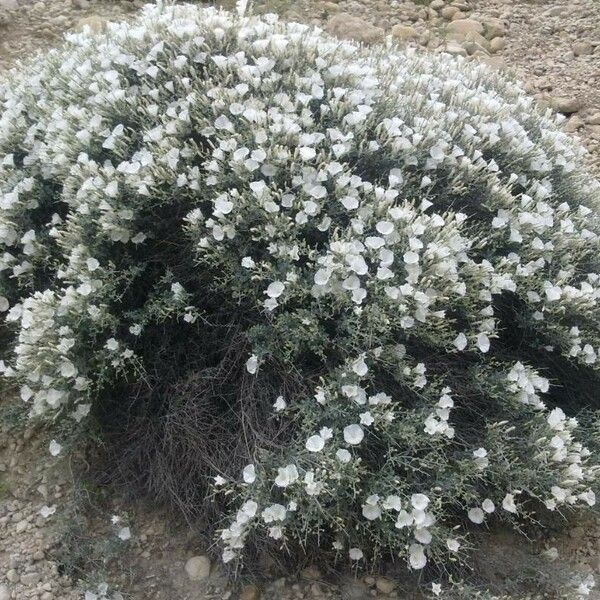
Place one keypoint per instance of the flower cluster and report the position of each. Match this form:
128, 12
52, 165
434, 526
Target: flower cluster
409, 235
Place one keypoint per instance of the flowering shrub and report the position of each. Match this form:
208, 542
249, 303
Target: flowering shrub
403, 247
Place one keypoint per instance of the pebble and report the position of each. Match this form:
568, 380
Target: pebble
249, 592
30, 578
448, 12
593, 119
12, 576
582, 48
351, 27
385, 585
95, 24
497, 44
404, 32
311, 573
494, 28
4, 592
198, 568
465, 26
566, 104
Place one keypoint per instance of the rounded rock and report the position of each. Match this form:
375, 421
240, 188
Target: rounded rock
250, 592
198, 568
497, 44
385, 585
404, 32
350, 27
465, 26
4, 592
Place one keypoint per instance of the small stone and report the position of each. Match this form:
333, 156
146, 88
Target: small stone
593, 119
566, 104
497, 44
494, 28
403, 33
30, 578
4, 592
464, 26
250, 592
311, 573
437, 4
331, 8
455, 49
12, 576
496, 62
573, 124
582, 48
198, 568
22, 526
448, 12
458, 16
385, 585
354, 590
94, 23
9, 5
349, 27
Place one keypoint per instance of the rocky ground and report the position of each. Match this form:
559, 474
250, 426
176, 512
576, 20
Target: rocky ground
56, 537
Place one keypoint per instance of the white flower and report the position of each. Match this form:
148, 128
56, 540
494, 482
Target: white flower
404, 519
286, 476
92, 264
359, 366
355, 554
353, 434
275, 289
280, 404
248, 262
423, 535
366, 418
343, 455
112, 345
453, 545
124, 533
252, 364
461, 341
219, 481
55, 448
322, 276
135, 329
249, 474
307, 153
371, 509
436, 589
419, 501
227, 555
476, 515
488, 506
417, 556
46, 511
247, 511
508, 504
315, 443
392, 502
275, 512
483, 342
4, 304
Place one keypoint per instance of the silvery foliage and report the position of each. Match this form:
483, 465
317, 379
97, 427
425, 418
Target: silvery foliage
408, 232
